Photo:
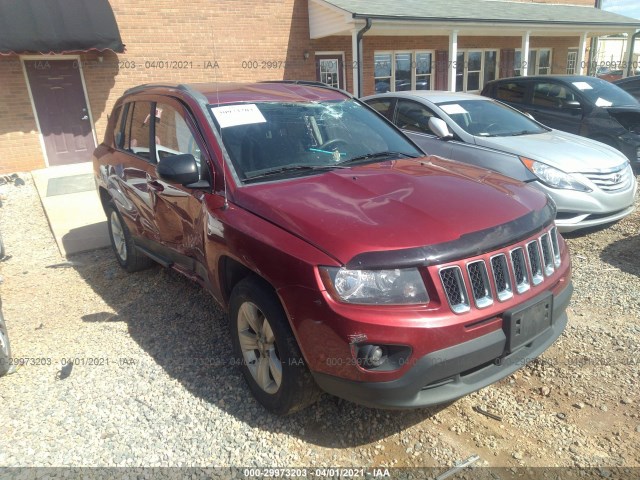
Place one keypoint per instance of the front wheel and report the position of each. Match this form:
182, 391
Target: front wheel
267, 351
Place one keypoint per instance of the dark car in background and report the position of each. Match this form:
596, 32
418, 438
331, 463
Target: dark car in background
586, 106
344, 257
631, 85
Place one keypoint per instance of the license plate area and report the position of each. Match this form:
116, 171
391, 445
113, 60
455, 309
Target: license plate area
523, 324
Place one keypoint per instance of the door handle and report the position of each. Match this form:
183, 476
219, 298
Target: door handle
85, 118
155, 185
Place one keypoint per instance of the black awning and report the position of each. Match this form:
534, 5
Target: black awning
57, 26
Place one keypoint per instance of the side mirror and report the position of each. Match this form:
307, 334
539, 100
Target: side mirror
572, 105
440, 128
181, 169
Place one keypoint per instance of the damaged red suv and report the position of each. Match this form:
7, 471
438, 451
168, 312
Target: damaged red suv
347, 261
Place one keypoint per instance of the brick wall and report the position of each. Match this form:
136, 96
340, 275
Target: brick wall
167, 41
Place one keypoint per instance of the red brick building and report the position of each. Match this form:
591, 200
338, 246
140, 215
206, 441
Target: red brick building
55, 101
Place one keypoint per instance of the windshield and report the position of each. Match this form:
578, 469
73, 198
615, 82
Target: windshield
486, 118
289, 139
602, 93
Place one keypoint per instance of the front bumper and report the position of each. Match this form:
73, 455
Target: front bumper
448, 374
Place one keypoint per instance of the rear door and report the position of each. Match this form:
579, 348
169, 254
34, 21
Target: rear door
132, 163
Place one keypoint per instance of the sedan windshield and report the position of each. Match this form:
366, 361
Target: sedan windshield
603, 93
275, 140
486, 118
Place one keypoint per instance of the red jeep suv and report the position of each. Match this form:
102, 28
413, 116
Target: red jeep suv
346, 260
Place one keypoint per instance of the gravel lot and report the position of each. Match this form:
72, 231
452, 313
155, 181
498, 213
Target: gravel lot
151, 384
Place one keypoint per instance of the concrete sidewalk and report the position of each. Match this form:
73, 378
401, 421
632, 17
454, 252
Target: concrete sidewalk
72, 206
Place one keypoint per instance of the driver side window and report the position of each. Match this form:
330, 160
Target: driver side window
413, 116
173, 135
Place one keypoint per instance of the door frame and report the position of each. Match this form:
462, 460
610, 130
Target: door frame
33, 104
344, 69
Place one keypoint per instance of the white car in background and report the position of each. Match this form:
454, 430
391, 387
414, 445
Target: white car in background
591, 183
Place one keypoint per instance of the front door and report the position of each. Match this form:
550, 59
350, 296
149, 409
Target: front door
329, 70
62, 111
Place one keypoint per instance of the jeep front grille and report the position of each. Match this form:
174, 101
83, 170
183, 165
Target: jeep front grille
520, 270
480, 286
455, 289
503, 274
547, 255
535, 262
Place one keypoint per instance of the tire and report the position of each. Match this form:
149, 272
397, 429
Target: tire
127, 255
5, 347
274, 369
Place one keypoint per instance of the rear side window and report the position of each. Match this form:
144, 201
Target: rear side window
137, 132
513, 92
116, 133
551, 95
384, 106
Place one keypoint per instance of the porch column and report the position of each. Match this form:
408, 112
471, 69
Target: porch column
582, 50
524, 55
453, 56
354, 63
625, 59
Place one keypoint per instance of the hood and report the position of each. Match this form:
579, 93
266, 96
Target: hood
400, 204
562, 150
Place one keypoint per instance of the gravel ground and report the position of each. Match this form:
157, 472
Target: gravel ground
132, 370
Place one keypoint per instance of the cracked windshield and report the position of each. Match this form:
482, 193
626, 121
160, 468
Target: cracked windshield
288, 139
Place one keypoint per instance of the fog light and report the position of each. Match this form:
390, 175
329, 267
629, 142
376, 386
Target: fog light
371, 356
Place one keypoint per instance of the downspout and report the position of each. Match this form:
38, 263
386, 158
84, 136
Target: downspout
361, 33
629, 60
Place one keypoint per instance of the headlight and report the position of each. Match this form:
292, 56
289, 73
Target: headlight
375, 287
553, 177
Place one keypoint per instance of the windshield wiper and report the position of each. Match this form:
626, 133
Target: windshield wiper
290, 168
370, 156
523, 132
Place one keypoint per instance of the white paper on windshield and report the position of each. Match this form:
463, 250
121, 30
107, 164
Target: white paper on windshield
453, 108
233, 115
582, 85
601, 102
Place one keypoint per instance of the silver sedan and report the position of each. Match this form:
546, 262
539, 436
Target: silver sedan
591, 183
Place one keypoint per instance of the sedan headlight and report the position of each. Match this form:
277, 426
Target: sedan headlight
553, 177
375, 287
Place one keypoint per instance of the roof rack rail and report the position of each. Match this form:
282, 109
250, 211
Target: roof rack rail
178, 86
310, 83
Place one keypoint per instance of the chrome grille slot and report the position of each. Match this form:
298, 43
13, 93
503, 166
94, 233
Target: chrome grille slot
455, 289
547, 254
501, 277
535, 262
480, 287
611, 181
553, 234
520, 272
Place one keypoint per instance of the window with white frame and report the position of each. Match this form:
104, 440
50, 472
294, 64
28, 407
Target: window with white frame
474, 68
572, 62
539, 62
397, 71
